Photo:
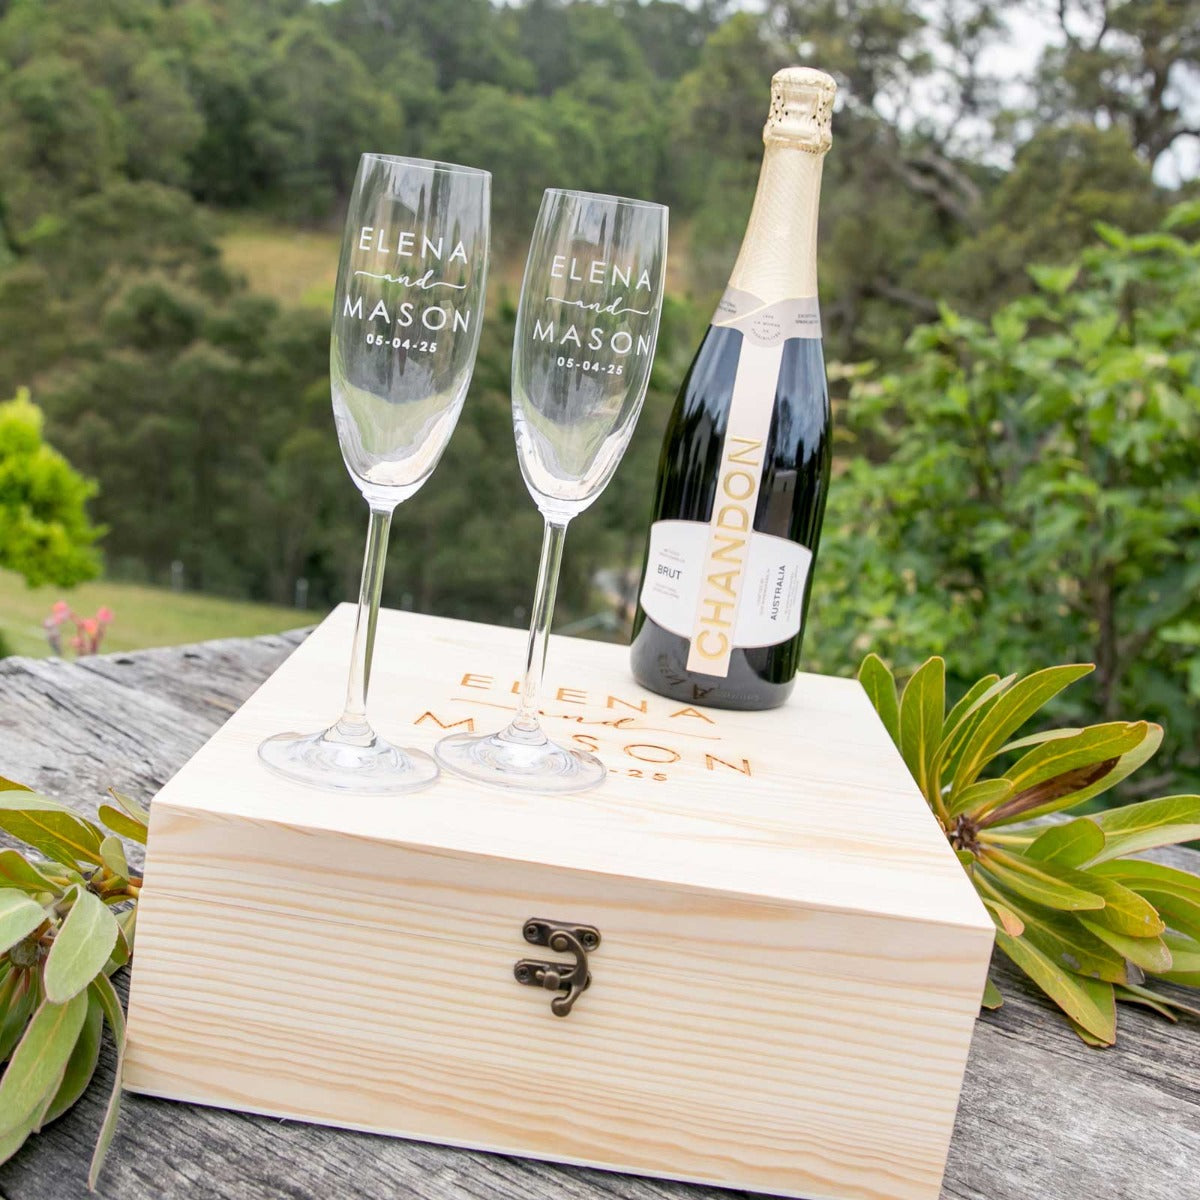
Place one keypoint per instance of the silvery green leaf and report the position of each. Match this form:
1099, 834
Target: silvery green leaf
38, 1061
135, 810
1149, 953
81, 1066
113, 854
880, 686
922, 711
110, 1002
81, 947
1070, 844
20, 915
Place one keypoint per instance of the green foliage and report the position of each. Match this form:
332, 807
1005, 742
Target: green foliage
1030, 482
67, 922
1085, 923
45, 534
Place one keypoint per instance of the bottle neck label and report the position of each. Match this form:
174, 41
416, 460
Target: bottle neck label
768, 325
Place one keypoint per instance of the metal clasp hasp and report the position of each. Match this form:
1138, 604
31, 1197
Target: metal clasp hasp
573, 978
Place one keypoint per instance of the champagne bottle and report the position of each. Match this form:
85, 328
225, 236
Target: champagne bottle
746, 457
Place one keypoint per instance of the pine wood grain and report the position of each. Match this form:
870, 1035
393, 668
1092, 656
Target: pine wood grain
1041, 1115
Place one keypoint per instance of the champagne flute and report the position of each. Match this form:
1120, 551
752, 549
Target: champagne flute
586, 329
407, 312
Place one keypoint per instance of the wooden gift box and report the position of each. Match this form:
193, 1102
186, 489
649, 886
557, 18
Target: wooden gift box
789, 965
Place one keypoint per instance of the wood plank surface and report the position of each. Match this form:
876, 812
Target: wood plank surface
1042, 1116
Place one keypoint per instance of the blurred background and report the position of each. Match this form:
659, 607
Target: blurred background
1010, 290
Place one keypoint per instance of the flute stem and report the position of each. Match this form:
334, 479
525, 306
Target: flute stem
525, 724
352, 727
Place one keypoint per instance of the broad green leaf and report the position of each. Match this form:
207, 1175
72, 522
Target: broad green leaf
8, 785
1069, 945
1130, 761
1086, 1036
1149, 953
81, 947
1186, 212
39, 1060
964, 719
13, 1017
1010, 711
1004, 917
113, 854
1086, 1001
1055, 280
1124, 910
1148, 824
50, 827
123, 950
11, 1142
922, 709
1070, 844
1135, 994
992, 999
1043, 883
132, 808
1053, 773
16, 871
123, 824
978, 797
81, 1066
20, 915
1175, 894
880, 686
110, 1002
1185, 960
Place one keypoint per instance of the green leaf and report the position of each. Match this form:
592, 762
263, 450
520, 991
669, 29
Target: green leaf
16, 871
1043, 883
978, 797
1139, 994
110, 1002
13, 1019
1052, 774
113, 854
1149, 953
1070, 844
1185, 960
1089, 1002
11, 1142
1055, 280
7, 785
964, 719
992, 999
1186, 212
880, 686
1175, 894
123, 824
1148, 824
81, 1066
922, 708
1067, 944
81, 947
39, 1060
1010, 711
50, 827
19, 917
1036, 739
133, 809
1124, 910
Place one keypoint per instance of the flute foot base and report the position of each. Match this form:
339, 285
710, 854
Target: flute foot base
323, 760
524, 759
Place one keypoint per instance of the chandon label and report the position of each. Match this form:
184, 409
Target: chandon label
770, 592
735, 587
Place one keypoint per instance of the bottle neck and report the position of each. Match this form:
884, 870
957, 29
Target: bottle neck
778, 258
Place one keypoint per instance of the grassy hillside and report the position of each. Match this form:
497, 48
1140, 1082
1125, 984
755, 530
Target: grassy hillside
144, 616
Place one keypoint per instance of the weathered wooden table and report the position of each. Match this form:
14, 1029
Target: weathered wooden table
1042, 1117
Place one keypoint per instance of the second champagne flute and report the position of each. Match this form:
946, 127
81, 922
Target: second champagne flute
586, 330
406, 315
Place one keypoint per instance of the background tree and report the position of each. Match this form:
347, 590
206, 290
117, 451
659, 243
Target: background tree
45, 534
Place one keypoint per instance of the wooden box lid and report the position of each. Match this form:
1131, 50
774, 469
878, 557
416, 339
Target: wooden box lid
808, 804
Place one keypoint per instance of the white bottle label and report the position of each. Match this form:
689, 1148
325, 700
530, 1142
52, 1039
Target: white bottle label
770, 588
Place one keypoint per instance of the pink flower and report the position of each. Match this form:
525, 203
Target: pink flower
91, 626
104, 615
60, 609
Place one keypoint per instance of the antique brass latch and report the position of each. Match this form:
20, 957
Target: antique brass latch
573, 978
